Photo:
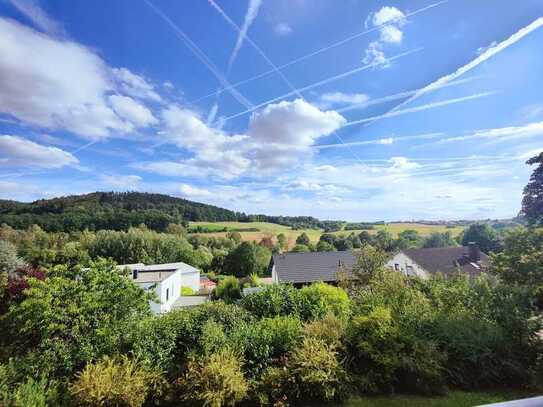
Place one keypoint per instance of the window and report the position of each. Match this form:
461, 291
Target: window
396, 267
409, 270
167, 294
135, 274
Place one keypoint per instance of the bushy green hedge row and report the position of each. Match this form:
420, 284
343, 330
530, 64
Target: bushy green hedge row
86, 337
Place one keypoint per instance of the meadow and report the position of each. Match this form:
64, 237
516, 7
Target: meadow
266, 229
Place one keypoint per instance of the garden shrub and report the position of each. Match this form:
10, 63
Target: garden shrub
228, 290
187, 291
285, 333
329, 329
164, 341
327, 299
389, 357
216, 380
317, 371
213, 338
116, 381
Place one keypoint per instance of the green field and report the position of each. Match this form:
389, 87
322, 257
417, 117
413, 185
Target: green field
456, 399
271, 229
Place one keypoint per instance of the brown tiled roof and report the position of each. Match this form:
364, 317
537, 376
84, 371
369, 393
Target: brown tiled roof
308, 267
447, 260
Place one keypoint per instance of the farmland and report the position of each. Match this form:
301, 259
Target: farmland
265, 229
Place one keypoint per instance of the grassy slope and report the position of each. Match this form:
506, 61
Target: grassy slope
456, 399
271, 229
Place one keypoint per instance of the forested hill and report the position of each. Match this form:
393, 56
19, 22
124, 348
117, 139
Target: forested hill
110, 210
121, 210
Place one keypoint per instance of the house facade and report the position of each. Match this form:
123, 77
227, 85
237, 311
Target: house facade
165, 280
446, 260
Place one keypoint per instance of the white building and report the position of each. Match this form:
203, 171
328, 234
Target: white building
446, 260
166, 280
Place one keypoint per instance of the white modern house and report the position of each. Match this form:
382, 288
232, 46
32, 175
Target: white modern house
166, 280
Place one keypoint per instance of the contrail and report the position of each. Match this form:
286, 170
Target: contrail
321, 50
320, 83
380, 141
474, 63
421, 108
243, 34
400, 95
201, 56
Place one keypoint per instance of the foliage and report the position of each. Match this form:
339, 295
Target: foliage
216, 380
521, 261
282, 241
9, 261
323, 246
116, 381
326, 299
246, 259
72, 317
329, 329
437, 239
317, 370
300, 248
228, 290
532, 201
187, 291
303, 239
483, 235
109, 210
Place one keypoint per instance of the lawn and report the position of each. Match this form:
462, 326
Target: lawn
266, 229
456, 399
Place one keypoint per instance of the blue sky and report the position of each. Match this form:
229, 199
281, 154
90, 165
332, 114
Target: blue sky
355, 110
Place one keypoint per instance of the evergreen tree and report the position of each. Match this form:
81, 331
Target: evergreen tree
532, 202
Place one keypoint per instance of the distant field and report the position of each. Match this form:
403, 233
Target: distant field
271, 229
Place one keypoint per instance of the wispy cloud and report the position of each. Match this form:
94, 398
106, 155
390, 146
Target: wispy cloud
196, 51
381, 141
320, 83
485, 55
242, 35
33, 11
319, 51
502, 133
423, 107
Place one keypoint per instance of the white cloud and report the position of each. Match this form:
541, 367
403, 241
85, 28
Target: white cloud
32, 10
389, 20
168, 85
375, 56
71, 95
19, 152
402, 164
190, 191
135, 85
386, 15
501, 133
282, 29
132, 111
339, 98
121, 182
277, 137
391, 34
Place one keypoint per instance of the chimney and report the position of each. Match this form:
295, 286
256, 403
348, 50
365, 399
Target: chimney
474, 253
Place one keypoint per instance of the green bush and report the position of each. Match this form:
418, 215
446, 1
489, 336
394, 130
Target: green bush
216, 380
388, 357
329, 329
228, 290
326, 299
273, 300
317, 371
187, 291
116, 381
213, 337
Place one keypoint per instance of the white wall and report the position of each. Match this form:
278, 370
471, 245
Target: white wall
191, 279
401, 261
